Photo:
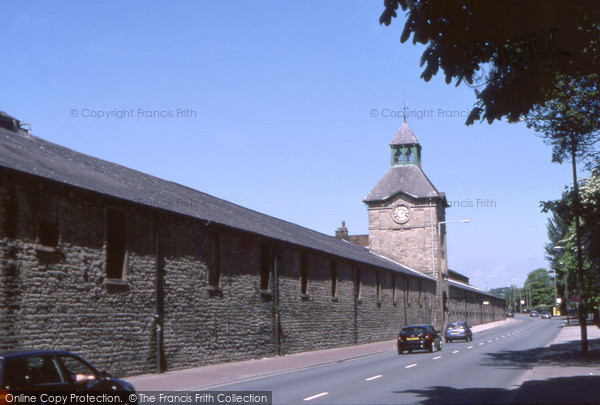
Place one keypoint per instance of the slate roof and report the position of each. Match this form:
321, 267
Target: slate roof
470, 288
29, 154
408, 179
404, 136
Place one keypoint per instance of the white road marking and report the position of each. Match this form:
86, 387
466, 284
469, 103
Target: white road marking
438, 357
373, 378
470, 347
411, 365
496, 338
316, 396
456, 351
480, 344
490, 341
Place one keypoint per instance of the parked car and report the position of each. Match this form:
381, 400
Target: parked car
54, 370
458, 331
546, 315
534, 313
510, 314
419, 337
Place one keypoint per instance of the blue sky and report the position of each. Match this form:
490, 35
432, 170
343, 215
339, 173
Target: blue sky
281, 99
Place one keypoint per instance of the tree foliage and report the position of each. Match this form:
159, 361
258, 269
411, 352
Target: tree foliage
590, 235
542, 288
569, 120
527, 46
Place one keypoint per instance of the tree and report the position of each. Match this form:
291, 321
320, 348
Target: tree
527, 45
542, 288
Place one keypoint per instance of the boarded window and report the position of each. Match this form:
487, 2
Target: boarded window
116, 244
357, 290
333, 277
393, 287
377, 285
214, 258
303, 273
265, 266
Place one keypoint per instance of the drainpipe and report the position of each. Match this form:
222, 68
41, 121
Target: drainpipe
276, 303
159, 309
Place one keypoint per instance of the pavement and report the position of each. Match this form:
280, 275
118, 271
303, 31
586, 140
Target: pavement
563, 374
212, 376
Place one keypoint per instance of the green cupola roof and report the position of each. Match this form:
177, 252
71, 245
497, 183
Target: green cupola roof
406, 150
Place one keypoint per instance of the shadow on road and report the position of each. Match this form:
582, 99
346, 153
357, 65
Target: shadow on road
561, 390
561, 355
575, 389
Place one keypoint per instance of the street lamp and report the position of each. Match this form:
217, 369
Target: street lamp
566, 295
439, 269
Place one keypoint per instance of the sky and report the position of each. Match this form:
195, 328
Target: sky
286, 108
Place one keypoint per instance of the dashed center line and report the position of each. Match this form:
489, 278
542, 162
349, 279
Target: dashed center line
411, 365
470, 347
316, 396
490, 341
438, 357
373, 378
480, 344
456, 351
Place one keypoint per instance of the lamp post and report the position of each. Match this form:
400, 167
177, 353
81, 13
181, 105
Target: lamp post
554, 274
566, 294
439, 277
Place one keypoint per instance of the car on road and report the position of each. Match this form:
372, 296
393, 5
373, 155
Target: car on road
57, 371
534, 313
546, 315
419, 337
458, 331
510, 314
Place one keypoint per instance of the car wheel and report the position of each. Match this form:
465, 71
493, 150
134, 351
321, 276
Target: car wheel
448, 340
410, 350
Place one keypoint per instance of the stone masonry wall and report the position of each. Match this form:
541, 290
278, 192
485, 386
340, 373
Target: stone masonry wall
58, 297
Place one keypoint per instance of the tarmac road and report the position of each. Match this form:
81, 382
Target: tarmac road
487, 370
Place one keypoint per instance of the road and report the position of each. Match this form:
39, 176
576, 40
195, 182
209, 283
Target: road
482, 371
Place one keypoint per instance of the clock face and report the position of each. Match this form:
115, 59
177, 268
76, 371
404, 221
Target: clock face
401, 214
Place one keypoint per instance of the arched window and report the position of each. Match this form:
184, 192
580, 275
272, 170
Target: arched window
397, 156
409, 157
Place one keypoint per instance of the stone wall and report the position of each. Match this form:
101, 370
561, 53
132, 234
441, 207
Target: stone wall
58, 297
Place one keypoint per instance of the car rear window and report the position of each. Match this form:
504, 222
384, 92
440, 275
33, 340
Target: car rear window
456, 325
413, 330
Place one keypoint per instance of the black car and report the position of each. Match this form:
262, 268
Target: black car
458, 331
546, 315
534, 313
419, 337
54, 371
510, 314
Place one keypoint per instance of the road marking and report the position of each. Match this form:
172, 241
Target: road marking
490, 341
470, 347
496, 338
456, 351
411, 365
438, 357
480, 344
373, 378
316, 396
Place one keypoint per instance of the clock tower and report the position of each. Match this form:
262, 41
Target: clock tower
405, 211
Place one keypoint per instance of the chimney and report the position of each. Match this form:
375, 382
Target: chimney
11, 123
342, 232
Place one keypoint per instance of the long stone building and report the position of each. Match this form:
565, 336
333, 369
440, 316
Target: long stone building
142, 275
